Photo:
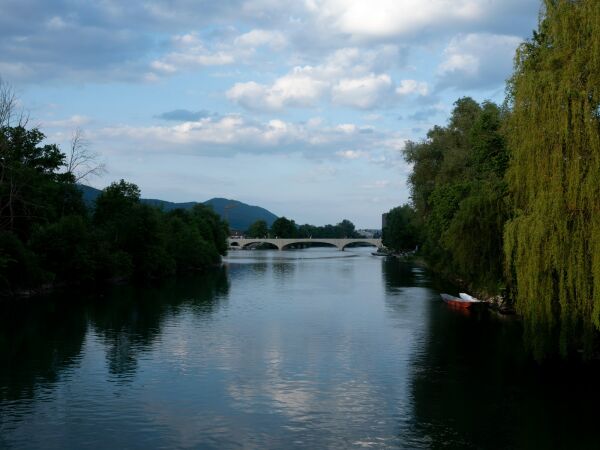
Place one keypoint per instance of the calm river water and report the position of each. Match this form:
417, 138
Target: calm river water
306, 349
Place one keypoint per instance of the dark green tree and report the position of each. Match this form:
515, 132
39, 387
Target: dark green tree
283, 228
458, 189
346, 229
116, 201
400, 233
32, 188
258, 229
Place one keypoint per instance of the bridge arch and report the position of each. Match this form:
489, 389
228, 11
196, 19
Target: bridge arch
355, 241
309, 243
261, 242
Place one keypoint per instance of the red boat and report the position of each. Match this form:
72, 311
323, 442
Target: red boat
456, 302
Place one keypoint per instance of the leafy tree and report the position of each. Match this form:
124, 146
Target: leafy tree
116, 201
552, 241
64, 249
32, 189
347, 229
457, 190
258, 229
20, 267
400, 232
344, 229
214, 230
283, 228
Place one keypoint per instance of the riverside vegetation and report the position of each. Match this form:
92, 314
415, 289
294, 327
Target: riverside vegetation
48, 237
506, 199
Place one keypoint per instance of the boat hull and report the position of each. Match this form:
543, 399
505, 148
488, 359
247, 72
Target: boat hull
455, 302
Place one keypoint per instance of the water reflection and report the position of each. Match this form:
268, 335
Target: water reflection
131, 318
42, 337
37, 343
298, 349
474, 385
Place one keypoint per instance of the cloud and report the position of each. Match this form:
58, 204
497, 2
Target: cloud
124, 41
185, 115
363, 93
299, 88
475, 61
390, 18
351, 154
232, 135
69, 123
110, 40
38, 42
408, 87
190, 52
412, 19
346, 77
257, 38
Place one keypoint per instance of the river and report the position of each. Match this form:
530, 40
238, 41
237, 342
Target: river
310, 348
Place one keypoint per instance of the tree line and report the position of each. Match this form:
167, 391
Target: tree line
283, 227
49, 237
506, 198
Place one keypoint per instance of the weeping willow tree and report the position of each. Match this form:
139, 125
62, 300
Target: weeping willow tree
552, 242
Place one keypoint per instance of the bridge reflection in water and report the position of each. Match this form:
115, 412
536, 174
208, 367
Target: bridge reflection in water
282, 244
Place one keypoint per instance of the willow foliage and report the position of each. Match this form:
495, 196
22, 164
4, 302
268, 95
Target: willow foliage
552, 243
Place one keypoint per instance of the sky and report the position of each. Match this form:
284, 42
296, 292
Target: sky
302, 107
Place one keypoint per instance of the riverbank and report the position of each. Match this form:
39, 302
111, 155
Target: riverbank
52, 288
499, 303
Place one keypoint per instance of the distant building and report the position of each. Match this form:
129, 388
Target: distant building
369, 233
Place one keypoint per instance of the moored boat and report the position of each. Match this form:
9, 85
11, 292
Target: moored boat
381, 251
457, 302
468, 297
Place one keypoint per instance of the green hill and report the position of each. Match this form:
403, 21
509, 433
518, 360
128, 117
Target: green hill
239, 215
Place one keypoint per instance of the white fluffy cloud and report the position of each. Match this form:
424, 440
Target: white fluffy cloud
477, 60
388, 18
235, 135
409, 87
364, 93
258, 37
407, 19
346, 78
189, 51
300, 88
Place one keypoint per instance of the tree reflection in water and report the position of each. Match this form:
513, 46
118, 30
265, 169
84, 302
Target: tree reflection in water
474, 385
41, 338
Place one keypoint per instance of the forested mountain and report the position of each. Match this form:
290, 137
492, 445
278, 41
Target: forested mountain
239, 215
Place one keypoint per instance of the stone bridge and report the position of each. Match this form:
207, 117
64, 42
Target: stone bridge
282, 244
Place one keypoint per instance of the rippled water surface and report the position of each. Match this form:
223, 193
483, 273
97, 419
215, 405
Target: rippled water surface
309, 348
